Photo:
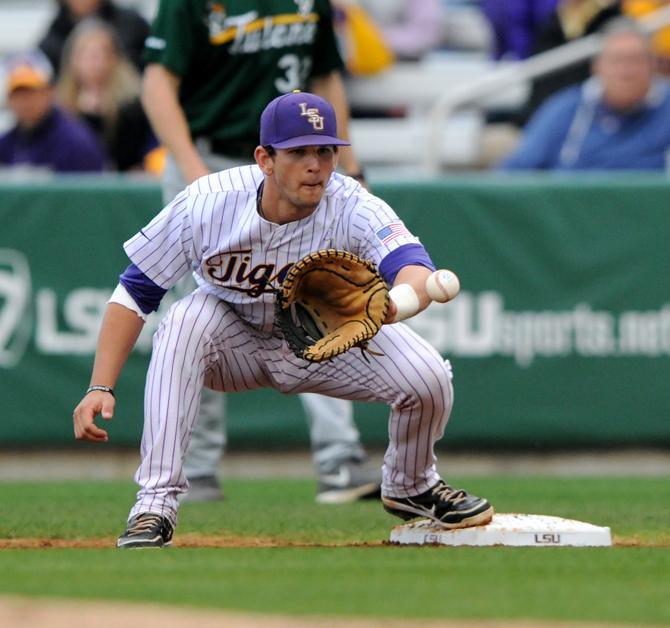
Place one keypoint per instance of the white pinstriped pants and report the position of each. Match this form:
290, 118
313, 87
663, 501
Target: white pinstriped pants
202, 341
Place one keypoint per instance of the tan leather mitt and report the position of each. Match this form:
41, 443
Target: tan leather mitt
329, 302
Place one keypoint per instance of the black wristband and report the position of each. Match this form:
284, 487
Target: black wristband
102, 388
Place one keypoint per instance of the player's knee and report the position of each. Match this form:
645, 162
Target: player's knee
437, 377
432, 385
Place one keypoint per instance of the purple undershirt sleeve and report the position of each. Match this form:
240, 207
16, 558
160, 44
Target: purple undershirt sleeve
145, 292
405, 255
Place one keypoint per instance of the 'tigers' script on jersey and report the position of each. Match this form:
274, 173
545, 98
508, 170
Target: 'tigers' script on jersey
231, 270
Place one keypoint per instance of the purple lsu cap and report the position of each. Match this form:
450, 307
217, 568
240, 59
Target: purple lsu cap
299, 119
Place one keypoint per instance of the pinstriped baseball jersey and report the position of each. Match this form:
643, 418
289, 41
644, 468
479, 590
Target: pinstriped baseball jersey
214, 229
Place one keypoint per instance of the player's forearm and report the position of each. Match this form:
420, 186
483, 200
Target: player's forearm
332, 89
118, 334
408, 296
160, 98
415, 276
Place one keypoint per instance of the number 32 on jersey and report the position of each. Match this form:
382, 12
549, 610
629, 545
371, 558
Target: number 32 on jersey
295, 71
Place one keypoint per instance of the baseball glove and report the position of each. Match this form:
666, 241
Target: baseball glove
329, 302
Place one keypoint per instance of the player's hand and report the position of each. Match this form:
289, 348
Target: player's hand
94, 403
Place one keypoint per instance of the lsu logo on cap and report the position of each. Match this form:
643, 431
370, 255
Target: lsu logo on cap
312, 115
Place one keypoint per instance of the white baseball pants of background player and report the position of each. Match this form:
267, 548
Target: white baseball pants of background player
202, 341
332, 431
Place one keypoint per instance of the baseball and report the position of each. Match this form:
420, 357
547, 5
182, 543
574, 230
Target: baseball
442, 286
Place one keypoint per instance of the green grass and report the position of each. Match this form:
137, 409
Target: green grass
621, 584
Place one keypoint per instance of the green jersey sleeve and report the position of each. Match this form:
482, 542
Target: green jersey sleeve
172, 40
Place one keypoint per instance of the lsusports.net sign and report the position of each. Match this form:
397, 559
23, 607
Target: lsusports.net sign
479, 326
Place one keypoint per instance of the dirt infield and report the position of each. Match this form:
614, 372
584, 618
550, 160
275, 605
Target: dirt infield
185, 541
39, 613
198, 541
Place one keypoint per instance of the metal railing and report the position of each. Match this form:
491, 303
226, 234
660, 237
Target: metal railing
502, 78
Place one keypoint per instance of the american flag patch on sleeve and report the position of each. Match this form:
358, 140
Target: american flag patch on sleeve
392, 231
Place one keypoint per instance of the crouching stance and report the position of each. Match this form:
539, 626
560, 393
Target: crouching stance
241, 231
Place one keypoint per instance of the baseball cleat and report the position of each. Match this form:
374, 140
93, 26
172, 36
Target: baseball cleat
449, 507
146, 530
350, 481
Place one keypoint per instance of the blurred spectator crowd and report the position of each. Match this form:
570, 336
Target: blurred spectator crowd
71, 97
74, 94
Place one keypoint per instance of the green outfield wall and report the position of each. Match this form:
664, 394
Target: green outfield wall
560, 337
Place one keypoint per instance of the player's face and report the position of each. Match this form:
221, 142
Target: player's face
301, 174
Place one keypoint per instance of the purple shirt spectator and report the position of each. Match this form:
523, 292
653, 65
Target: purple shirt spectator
59, 143
514, 24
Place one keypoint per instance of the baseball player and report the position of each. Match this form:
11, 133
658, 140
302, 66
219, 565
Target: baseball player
211, 69
240, 230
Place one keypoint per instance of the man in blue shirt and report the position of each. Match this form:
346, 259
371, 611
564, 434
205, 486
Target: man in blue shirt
44, 137
619, 119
